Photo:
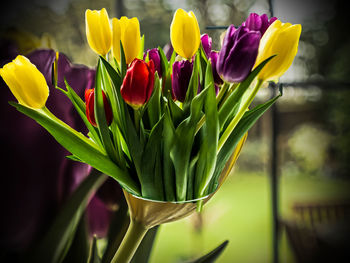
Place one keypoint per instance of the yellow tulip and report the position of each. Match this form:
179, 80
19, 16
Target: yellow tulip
98, 31
26, 82
184, 33
128, 32
280, 39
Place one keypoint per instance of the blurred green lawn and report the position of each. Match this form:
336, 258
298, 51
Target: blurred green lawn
240, 212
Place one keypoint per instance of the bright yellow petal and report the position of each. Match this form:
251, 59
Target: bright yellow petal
177, 31
132, 40
280, 40
106, 31
193, 38
98, 31
116, 38
26, 82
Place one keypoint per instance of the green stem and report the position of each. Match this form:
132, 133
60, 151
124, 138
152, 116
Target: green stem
137, 120
130, 243
239, 115
222, 92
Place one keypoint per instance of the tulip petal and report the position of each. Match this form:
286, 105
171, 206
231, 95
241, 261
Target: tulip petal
242, 57
184, 33
131, 39
116, 38
281, 40
226, 47
26, 82
98, 31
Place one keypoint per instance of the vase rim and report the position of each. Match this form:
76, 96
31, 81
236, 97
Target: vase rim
172, 202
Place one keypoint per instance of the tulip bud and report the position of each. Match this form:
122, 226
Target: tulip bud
184, 33
138, 83
98, 31
168, 50
281, 40
128, 32
26, 82
206, 43
180, 79
153, 54
238, 53
258, 23
214, 58
90, 107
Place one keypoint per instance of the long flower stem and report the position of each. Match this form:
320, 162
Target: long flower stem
137, 120
239, 115
130, 243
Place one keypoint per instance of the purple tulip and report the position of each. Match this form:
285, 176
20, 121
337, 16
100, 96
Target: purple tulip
153, 54
182, 71
206, 43
258, 23
214, 58
238, 53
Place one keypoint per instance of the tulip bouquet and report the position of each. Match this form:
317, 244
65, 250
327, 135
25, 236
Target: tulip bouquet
167, 128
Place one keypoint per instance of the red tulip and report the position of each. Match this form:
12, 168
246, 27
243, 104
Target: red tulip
90, 107
138, 83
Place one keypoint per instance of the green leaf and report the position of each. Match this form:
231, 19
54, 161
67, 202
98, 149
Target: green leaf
123, 65
80, 146
247, 121
182, 145
203, 64
93, 254
213, 255
57, 240
168, 167
142, 46
144, 250
166, 76
100, 115
80, 107
134, 144
153, 105
231, 105
79, 250
210, 136
177, 113
163, 60
192, 89
118, 103
73, 158
151, 169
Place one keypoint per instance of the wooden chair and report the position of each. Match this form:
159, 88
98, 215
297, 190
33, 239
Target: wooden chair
320, 232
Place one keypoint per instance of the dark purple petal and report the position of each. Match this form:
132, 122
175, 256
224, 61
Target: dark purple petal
182, 71
168, 50
78, 77
206, 43
254, 22
241, 58
217, 89
258, 23
98, 218
43, 60
214, 58
153, 54
227, 44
